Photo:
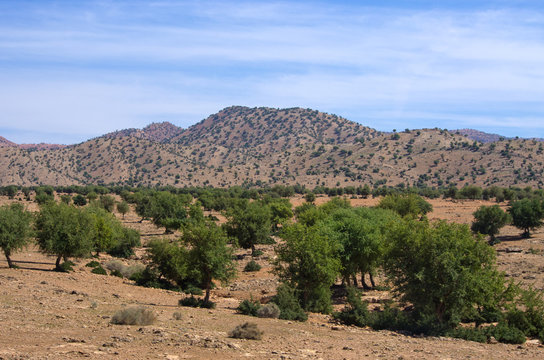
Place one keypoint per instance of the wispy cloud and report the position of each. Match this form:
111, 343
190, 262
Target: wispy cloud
87, 68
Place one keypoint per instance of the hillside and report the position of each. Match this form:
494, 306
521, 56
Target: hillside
266, 146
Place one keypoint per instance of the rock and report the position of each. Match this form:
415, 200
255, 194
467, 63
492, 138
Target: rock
492, 340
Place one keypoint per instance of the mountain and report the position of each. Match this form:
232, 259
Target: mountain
157, 132
266, 146
41, 146
479, 135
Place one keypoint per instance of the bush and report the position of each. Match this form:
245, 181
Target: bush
355, 312
287, 301
252, 266
92, 264
99, 270
134, 316
177, 315
249, 307
126, 271
471, 334
257, 253
66, 266
508, 334
116, 273
269, 310
127, 241
191, 289
149, 277
197, 303
248, 331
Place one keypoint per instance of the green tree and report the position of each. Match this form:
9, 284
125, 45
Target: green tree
307, 261
123, 208
80, 200
489, 220
15, 229
309, 197
443, 270
406, 204
526, 215
280, 212
361, 234
67, 199
64, 231
107, 202
249, 223
170, 259
209, 256
106, 229
169, 210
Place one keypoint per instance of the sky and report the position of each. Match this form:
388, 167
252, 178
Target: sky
73, 70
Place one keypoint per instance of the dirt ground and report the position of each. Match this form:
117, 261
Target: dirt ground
50, 315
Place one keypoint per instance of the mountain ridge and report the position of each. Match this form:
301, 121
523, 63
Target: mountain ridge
267, 146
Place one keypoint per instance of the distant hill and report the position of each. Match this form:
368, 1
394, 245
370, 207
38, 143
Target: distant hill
158, 132
479, 135
266, 146
41, 146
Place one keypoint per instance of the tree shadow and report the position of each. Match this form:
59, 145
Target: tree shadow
510, 238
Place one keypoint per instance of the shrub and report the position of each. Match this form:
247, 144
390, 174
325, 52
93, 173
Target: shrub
177, 315
99, 270
92, 264
194, 302
508, 334
125, 271
252, 266
257, 253
125, 244
116, 273
471, 334
66, 266
355, 312
287, 301
191, 289
248, 331
134, 316
269, 310
249, 307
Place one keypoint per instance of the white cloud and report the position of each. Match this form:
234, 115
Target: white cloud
116, 65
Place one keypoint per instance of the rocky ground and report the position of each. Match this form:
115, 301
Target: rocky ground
50, 315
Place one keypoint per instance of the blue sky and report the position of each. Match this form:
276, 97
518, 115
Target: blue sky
72, 70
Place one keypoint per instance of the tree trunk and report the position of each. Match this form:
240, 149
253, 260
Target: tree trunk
372, 280
57, 263
252, 249
8, 258
365, 286
355, 284
208, 288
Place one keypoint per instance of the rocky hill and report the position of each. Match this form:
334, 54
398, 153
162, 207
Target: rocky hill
266, 146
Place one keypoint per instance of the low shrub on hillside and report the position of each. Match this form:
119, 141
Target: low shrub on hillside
99, 270
252, 266
248, 331
249, 307
269, 310
134, 316
195, 302
288, 303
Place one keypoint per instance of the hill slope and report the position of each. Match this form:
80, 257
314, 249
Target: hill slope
263, 146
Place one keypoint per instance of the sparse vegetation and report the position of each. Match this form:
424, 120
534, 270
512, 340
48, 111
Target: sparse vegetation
248, 331
134, 316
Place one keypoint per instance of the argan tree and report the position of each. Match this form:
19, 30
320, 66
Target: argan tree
15, 229
209, 256
488, 220
249, 223
307, 261
526, 215
64, 231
